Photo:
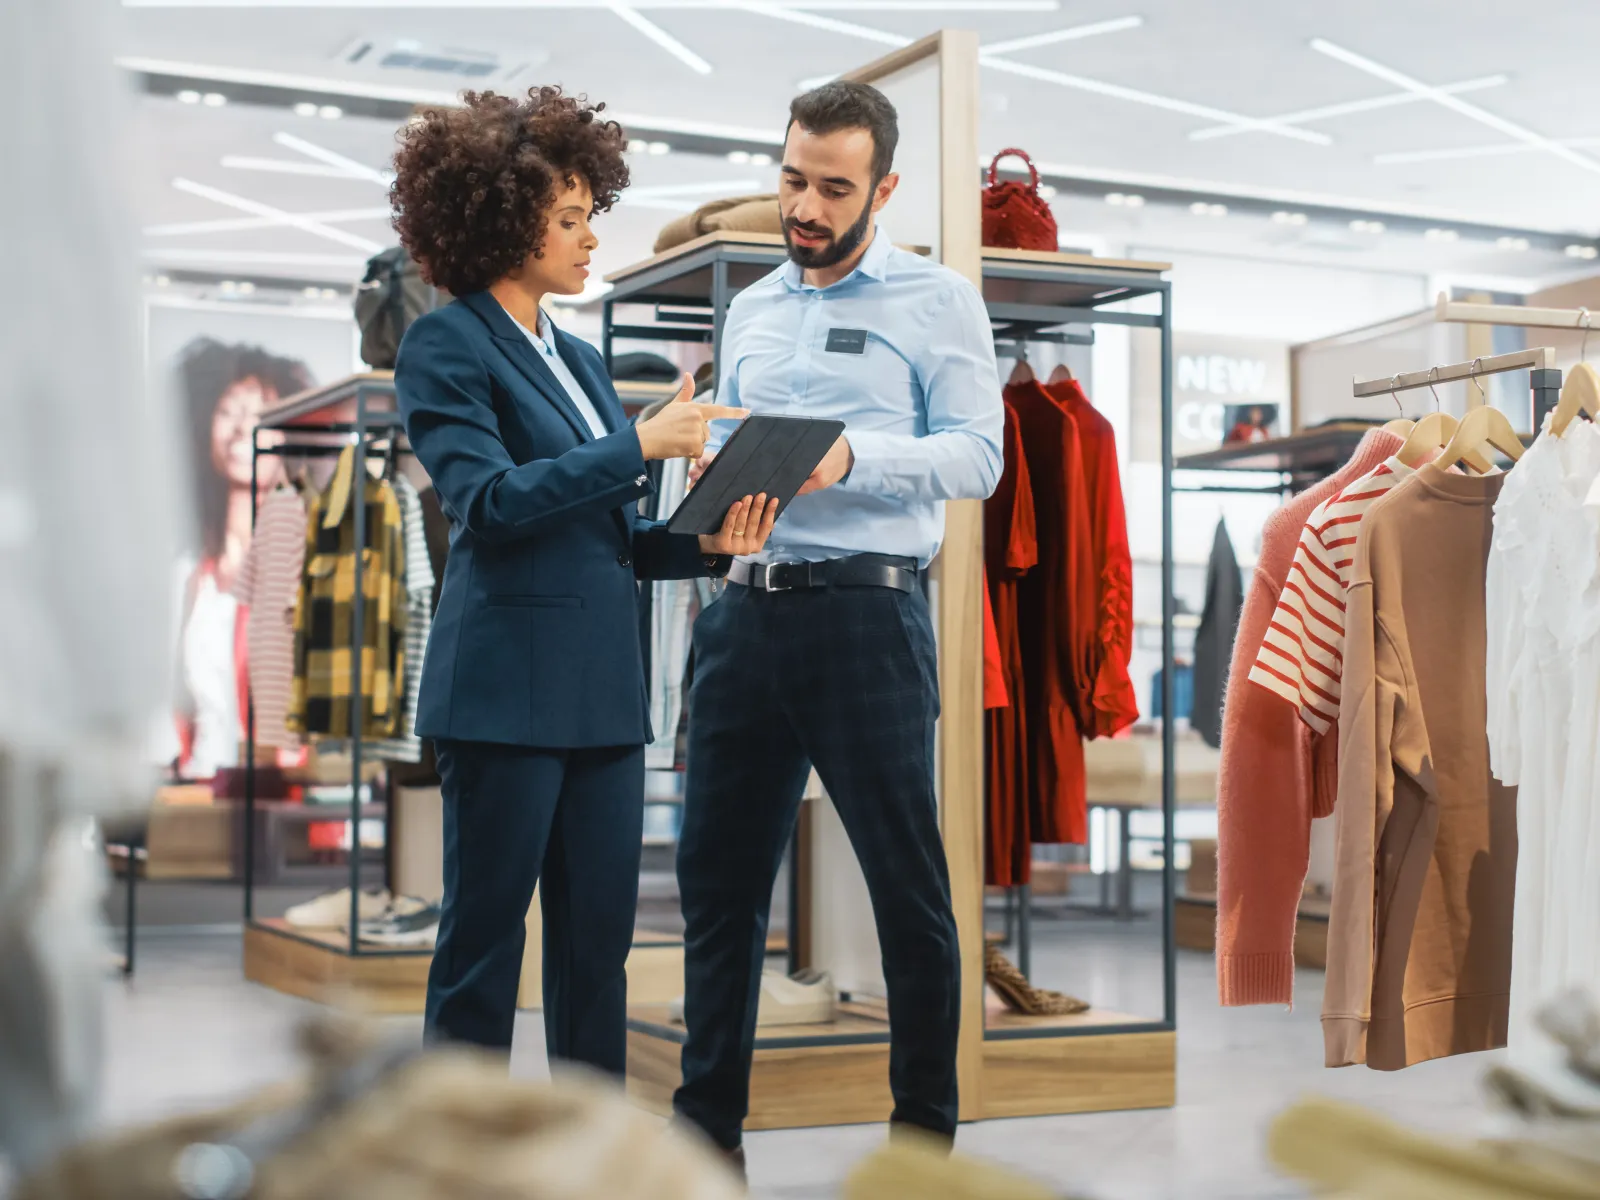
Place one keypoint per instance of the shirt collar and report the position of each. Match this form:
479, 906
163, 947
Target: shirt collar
874, 263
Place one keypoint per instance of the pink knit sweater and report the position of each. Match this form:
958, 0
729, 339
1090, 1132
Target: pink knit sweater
1274, 777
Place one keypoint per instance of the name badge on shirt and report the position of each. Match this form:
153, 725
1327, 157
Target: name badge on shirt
847, 341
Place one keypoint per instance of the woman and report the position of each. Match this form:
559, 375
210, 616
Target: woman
226, 388
533, 688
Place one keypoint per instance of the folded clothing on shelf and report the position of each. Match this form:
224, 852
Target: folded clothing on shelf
805, 998
736, 214
415, 927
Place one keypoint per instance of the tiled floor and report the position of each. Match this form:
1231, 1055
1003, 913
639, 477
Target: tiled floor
188, 1031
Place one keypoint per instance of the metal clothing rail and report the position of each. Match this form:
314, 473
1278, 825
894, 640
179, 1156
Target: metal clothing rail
1540, 358
324, 422
1468, 312
1539, 362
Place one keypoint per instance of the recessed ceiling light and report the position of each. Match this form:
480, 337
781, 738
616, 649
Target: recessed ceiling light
1441, 235
1579, 250
330, 112
305, 109
229, 287
213, 99
246, 287
1047, 191
738, 156
311, 293
638, 146
330, 294
1202, 209
189, 96
1125, 199
163, 280
1362, 226
1512, 243
761, 160
1284, 217
659, 148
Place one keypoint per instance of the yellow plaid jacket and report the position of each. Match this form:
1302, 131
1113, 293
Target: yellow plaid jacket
324, 615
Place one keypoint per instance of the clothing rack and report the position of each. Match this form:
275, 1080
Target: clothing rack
1539, 362
360, 411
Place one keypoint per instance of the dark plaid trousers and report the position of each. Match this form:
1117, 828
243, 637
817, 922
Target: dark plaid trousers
846, 679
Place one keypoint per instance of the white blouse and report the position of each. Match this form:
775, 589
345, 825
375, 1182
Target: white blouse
1543, 681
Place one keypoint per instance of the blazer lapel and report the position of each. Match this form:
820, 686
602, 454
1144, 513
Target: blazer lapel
601, 394
509, 336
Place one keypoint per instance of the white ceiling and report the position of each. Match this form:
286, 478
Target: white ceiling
1248, 59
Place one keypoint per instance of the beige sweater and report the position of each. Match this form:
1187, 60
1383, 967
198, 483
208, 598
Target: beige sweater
1419, 941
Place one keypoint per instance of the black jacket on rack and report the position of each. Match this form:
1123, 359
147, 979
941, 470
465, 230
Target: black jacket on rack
1213, 643
532, 642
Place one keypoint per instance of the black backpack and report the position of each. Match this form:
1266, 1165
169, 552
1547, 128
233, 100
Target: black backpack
391, 296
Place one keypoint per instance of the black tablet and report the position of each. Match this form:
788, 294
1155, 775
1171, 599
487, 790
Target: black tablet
767, 454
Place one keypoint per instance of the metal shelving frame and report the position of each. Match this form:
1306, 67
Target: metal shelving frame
1031, 297
322, 423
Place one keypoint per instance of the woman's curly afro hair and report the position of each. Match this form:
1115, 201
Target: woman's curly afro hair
473, 185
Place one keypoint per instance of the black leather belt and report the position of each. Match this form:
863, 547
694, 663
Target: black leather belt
859, 570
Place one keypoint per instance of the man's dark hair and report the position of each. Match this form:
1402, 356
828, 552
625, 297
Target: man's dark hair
843, 105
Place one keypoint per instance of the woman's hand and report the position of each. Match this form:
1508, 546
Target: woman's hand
681, 428
745, 529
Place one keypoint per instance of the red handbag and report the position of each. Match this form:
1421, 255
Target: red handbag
1015, 216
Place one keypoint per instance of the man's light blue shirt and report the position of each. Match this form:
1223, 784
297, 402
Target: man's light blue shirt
921, 402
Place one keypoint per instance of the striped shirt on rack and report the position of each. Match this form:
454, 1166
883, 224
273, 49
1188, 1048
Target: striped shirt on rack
1302, 657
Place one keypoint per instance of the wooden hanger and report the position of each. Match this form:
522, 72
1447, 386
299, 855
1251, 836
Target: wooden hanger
1580, 393
1430, 433
1021, 372
1485, 426
1062, 374
1400, 426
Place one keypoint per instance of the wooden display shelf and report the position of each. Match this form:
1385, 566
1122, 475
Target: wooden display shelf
1195, 927
316, 964
838, 1073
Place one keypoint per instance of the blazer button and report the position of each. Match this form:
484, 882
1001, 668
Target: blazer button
625, 559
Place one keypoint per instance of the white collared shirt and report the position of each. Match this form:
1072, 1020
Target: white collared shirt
544, 342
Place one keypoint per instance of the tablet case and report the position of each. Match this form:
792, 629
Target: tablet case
767, 454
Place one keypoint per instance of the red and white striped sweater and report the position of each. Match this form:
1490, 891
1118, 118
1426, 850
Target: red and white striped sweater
1302, 656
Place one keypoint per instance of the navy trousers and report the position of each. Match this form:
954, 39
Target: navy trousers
845, 679
573, 821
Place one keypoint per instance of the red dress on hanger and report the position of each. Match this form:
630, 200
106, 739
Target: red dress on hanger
1116, 705
1057, 617
1010, 550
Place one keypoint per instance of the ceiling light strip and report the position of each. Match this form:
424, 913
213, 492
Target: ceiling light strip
284, 166
1074, 34
659, 36
328, 157
899, 6
1471, 111
1150, 99
1499, 148
258, 258
241, 224
254, 208
1372, 104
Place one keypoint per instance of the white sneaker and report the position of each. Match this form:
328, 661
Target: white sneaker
808, 998
331, 910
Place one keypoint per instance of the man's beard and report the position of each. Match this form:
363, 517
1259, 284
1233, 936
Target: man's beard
834, 252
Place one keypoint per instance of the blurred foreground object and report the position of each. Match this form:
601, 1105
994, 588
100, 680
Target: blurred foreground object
86, 551
1552, 1151
394, 1123
918, 1167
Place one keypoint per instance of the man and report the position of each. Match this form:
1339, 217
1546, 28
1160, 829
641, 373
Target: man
822, 651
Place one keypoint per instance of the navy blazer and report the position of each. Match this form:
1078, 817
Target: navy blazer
536, 638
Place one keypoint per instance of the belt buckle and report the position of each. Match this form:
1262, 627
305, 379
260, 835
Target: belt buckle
766, 579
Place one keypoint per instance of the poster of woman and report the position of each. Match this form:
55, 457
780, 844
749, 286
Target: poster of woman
221, 370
